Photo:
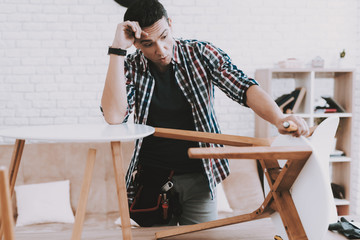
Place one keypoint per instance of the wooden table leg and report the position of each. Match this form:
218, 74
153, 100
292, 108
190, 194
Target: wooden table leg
85, 187
6, 207
15, 163
121, 190
13, 170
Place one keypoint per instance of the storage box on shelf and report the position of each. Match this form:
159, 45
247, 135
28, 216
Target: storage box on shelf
336, 83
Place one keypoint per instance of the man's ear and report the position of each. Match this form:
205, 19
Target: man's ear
169, 20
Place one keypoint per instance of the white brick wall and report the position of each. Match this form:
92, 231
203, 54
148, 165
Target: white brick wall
53, 53
355, 167
53, 60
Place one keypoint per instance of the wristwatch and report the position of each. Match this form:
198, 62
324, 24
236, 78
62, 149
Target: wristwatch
117, 51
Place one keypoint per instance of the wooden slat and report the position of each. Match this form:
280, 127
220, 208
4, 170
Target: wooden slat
209, 225
267, 205
289, 174
271, 169
289, 215
262, 212
85, 188
225, 139
121, 190
279, 152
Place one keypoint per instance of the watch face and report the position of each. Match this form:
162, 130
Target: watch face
124, 3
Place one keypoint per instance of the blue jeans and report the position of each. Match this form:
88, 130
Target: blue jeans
195, 199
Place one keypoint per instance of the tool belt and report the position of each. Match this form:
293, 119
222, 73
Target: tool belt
154, 197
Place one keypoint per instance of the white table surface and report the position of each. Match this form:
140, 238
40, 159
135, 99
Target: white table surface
79, 132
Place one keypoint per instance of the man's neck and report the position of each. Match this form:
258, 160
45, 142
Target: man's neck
160, 69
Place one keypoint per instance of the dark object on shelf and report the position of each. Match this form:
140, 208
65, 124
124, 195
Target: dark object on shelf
284, 101
338, 191
337, 153
333, 104
290, 103
125, 3
345, 228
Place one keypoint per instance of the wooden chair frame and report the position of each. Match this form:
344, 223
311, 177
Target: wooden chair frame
280, 180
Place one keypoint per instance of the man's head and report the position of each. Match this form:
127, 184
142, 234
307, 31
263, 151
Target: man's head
157, 46
145, 12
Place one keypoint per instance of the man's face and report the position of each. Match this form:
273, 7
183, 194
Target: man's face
157, 46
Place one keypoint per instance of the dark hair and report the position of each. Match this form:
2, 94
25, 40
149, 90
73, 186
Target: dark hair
146, 12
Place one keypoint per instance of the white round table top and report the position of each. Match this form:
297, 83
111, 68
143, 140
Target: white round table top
80, 132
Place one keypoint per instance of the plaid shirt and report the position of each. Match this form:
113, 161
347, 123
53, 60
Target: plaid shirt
198, 66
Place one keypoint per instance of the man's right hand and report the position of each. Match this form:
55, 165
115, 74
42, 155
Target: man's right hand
126, 34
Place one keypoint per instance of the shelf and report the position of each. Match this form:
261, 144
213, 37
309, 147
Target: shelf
304, 70
303, 115
340, 159
336, 83
341, 202
325, 115
333, 70
321, 115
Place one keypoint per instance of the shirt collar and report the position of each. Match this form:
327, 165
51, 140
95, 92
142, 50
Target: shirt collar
176, 56
143, 60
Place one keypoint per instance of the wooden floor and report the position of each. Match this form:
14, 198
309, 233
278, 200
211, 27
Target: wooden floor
256, 230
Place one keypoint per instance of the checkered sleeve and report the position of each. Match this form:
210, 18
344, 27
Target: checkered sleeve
225, 75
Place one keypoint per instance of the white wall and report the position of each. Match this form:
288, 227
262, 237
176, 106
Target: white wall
53, 53
355, 167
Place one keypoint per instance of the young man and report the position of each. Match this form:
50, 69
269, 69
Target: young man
170, 83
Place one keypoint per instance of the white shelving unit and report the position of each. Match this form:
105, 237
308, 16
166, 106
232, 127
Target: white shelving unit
334, 82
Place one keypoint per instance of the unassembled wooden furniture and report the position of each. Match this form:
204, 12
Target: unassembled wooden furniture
83, 133
279, 199
335, 82
280, 179
7, 219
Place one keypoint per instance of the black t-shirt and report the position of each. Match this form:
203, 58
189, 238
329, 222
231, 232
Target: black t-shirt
169, 109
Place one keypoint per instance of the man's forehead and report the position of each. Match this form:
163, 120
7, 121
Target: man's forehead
156, 30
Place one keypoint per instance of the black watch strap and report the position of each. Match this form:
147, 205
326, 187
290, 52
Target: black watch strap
117, 51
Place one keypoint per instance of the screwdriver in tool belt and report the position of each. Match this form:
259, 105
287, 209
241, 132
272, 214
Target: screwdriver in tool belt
165, 206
